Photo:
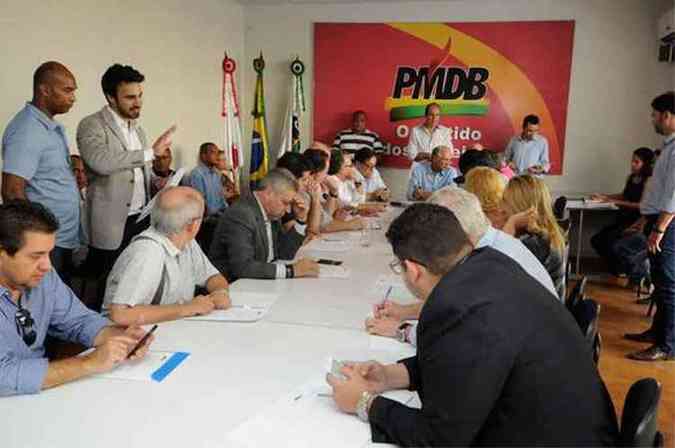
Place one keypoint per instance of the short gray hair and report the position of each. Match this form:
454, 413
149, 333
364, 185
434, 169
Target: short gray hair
280, 180
437, 150
466, 208
170, 218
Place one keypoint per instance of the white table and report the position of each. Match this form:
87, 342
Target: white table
234, 369
581, 206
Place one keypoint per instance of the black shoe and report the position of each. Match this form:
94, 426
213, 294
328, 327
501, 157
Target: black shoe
653, 353
645, 336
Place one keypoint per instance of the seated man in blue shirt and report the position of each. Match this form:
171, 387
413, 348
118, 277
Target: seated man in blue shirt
527, 153
35, 303
206, 179
427, 177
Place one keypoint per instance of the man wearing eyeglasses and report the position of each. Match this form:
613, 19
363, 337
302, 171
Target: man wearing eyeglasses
34, 303
367, 173
497, 364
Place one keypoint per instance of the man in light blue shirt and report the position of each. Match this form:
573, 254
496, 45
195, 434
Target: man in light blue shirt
658, 207
206, 179
36, 160
35, 303
475, 224
427, 177
527, 153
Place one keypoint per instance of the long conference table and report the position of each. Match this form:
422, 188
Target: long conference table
242, 383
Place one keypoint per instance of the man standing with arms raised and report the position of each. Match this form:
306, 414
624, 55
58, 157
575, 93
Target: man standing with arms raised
118, 160
36, 158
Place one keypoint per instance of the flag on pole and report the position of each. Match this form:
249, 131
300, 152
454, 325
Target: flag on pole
233, 152
290, 140
259, 141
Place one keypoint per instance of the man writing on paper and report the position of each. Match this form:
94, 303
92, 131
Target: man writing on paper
478, 353
35, 303
249, 236
390, 317
429, 176
154, 279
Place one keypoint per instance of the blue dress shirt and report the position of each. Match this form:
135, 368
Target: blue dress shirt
34, 147
208, 182
527, 153
57, 312
659, 195
426, 179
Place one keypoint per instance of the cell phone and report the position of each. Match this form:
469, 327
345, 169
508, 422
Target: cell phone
396, 204
329, 262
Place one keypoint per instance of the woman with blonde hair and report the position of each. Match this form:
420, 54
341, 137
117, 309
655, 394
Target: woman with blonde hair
488, 185
527, 205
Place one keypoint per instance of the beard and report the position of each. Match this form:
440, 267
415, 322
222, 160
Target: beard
658, 129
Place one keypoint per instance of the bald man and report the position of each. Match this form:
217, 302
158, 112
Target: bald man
429, 176
36, 163
155, 277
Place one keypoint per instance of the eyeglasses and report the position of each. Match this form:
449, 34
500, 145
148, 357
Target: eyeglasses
24, 325
396, 265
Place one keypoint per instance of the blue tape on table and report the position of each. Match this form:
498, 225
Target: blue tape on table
169, 366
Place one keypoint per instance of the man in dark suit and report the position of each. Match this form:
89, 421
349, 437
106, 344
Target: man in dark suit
249, 235
497, 363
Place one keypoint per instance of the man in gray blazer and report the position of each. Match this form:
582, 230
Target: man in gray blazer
249, 235
117, 158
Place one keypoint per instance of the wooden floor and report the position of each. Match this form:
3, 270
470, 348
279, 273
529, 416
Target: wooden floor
620, 314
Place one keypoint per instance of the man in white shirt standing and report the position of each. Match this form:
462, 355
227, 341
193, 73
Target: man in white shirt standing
117, 158
527, 153
428, 135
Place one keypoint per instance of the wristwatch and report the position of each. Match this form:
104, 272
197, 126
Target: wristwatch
402, 332
363, 404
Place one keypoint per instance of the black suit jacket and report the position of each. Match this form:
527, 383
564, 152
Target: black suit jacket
240, 249
498, 364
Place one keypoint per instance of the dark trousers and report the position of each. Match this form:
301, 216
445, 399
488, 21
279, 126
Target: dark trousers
101, 261
62, 262
633, 256
663, 278
603, 242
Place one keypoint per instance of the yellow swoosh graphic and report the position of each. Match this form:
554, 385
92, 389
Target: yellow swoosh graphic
517, 93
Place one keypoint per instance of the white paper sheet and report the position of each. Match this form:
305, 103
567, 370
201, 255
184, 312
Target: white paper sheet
382, 343
330, 271
307, 417
139, 370
236, 313
322, 245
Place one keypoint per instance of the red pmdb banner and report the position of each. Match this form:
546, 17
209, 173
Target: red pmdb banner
486, 76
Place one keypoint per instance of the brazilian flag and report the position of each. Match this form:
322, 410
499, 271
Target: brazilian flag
259, 141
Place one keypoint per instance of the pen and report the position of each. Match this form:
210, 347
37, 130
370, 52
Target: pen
386, 296
142, 341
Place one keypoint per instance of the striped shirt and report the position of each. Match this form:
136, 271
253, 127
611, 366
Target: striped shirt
351, 141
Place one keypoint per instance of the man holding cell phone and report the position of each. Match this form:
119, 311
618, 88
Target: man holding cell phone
34, 303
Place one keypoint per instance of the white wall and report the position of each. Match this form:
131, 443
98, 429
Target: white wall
177, 45
614, 70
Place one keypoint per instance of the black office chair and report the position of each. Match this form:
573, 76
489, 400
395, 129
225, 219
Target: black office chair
587, 315
640, 415
576, 294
